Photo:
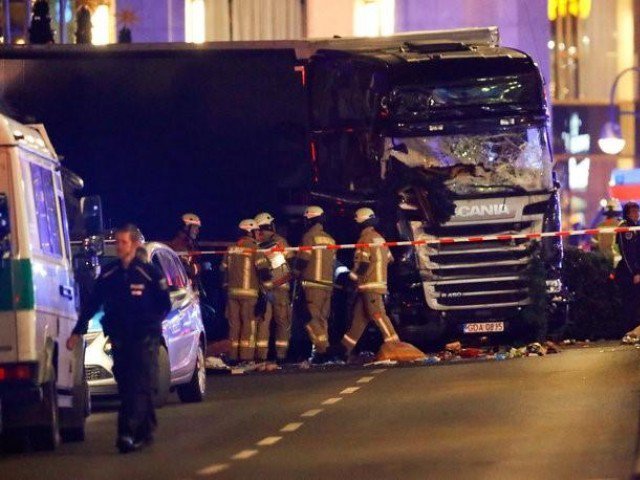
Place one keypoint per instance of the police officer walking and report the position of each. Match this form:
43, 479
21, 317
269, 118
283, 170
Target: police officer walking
277, 286
316, 268
135, 300
627, 273
370, 274
241, 283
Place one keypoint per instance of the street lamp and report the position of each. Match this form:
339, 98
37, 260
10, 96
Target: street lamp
611, 140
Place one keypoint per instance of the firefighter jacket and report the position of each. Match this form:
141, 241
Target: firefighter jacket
241, 279
318, 264
135, 301
629, 244
275, 262
370, 263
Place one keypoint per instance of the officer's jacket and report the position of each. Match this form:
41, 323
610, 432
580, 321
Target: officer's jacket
265, 260
629, 244
370, 263
239, 266
135, 301
319, 263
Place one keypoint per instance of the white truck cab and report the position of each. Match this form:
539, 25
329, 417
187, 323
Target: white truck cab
43, 392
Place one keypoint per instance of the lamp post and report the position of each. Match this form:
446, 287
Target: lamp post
611, 140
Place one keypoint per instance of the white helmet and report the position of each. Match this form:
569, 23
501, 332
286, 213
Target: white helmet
264, 218
248, 225
312, 211
191, 219
364, 214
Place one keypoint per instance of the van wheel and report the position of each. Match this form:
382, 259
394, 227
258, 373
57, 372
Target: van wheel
47, 435
163, 387
195, 390
77, 417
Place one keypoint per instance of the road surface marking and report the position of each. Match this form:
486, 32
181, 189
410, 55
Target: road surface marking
379, 370
349, 390
365, 379
292, 427
331, 401
244, 454
311, 413
268, 441
213, 469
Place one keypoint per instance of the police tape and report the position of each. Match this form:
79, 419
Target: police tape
425, 241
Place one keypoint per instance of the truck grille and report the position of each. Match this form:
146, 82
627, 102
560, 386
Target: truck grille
96, 372
465, 276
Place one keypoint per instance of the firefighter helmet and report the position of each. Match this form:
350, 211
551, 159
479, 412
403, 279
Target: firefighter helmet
364, 214
248, 225
263, 219
313, 211
191, 219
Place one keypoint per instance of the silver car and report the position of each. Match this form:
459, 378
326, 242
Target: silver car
181, 356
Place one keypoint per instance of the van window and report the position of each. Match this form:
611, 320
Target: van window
44, 199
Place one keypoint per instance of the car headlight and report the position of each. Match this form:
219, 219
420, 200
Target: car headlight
107, 347
554, 286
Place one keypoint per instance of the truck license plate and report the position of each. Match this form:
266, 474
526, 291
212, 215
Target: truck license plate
485, 327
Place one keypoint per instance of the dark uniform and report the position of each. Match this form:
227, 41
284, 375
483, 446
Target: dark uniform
135, 301
627, 268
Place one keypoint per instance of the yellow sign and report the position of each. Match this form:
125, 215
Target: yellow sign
562, 8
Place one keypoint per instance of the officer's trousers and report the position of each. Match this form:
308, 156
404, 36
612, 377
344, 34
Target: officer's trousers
318, 302
240, 313
369, 307
135, 367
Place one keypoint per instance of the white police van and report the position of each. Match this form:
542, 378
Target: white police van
43, 391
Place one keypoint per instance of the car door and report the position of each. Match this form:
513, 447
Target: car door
177, 325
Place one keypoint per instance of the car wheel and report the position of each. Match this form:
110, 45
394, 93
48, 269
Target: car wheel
163, 386
78, 416
195, 390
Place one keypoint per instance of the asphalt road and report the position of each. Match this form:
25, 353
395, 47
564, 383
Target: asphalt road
574, 415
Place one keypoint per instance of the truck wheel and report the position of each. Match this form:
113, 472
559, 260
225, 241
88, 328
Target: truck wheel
163, 387
195, 390
47, 435
74, 421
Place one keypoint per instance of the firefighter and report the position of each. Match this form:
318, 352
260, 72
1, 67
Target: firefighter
135, 299
370, 275
275, 275
186, 240
316, 268
627, 273
241, 282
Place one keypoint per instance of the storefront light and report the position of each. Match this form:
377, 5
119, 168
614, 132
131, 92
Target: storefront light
194, 12
611, 141
100, 25
374, 18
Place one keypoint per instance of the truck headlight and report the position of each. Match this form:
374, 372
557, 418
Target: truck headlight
554, 286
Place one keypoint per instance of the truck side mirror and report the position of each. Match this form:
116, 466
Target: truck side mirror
91, 208
5, 226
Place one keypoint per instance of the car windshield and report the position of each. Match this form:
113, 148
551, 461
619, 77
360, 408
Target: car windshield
513, 160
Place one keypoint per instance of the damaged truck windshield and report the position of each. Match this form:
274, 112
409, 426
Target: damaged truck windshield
484, 163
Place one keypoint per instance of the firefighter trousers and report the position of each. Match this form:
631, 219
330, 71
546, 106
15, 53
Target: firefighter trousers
242, 327
318, 302
369, 307
282, 319
263, 331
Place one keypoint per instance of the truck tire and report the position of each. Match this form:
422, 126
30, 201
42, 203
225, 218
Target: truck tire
46, 436
74, 421
163, 386
195, 390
